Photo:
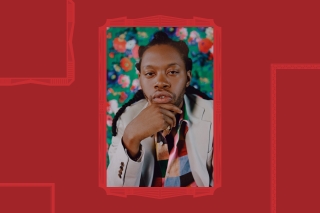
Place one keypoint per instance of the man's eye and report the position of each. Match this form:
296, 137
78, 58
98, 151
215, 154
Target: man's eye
173, 72
149, 74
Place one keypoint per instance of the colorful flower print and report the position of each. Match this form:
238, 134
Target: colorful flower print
205, 45
135, 85
182, 33
130, 44
123, 97
112, 76
135, 52
124, 81
109, 120
209, 33
112, 106
119, 45
194, 37
126, 64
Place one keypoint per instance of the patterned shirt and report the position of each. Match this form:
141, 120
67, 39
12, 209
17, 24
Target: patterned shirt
172, 168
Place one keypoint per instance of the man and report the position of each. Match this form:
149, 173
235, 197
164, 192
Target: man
163, 137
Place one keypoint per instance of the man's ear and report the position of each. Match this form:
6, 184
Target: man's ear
188, 78
139, 74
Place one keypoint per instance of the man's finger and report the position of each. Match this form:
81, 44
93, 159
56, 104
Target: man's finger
169, 121
169, 114
171, 107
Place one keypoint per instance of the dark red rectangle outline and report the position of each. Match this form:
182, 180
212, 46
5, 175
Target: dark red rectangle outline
274, 68
159, 21
68, 80
33, 185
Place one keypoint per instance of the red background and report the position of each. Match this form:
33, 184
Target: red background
49, 134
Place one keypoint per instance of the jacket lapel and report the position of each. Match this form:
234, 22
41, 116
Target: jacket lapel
197, 142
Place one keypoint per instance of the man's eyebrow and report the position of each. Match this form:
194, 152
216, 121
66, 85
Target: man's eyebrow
173, 64
148, 66
169, 65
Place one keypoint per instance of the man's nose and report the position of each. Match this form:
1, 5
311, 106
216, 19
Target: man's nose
162, 81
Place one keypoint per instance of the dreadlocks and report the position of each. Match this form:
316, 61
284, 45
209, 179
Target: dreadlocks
159, 38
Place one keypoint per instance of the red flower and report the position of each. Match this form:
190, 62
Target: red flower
123, 97
119, 45
111, 55
126, 64
107, 106
205, 45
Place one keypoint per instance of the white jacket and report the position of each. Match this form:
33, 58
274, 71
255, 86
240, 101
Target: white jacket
199, 142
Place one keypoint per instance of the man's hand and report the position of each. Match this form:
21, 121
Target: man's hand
154, 118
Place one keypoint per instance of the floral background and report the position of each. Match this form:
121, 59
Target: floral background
122, 55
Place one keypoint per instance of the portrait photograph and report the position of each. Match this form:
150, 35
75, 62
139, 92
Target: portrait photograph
160, 106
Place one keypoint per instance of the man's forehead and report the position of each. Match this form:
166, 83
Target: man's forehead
160, 56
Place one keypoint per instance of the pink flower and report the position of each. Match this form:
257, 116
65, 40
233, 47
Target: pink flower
194, 37
135, 85
182, 33
135, 50
124, 81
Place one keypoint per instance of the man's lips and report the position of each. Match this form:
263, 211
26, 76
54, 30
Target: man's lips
161, 97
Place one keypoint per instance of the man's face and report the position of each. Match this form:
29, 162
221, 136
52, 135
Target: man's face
163, 76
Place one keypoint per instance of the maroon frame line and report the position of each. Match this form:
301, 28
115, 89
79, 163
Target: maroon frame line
274, 68
159, 21
31, 185
66, 81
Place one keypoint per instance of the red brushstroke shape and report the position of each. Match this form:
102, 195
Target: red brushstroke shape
68, 80
159, 21
35, 185
274, 68
49, 82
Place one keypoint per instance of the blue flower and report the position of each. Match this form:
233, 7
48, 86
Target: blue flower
112, 77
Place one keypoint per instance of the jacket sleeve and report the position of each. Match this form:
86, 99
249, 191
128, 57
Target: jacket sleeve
210, 156
210, 166
131, 170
